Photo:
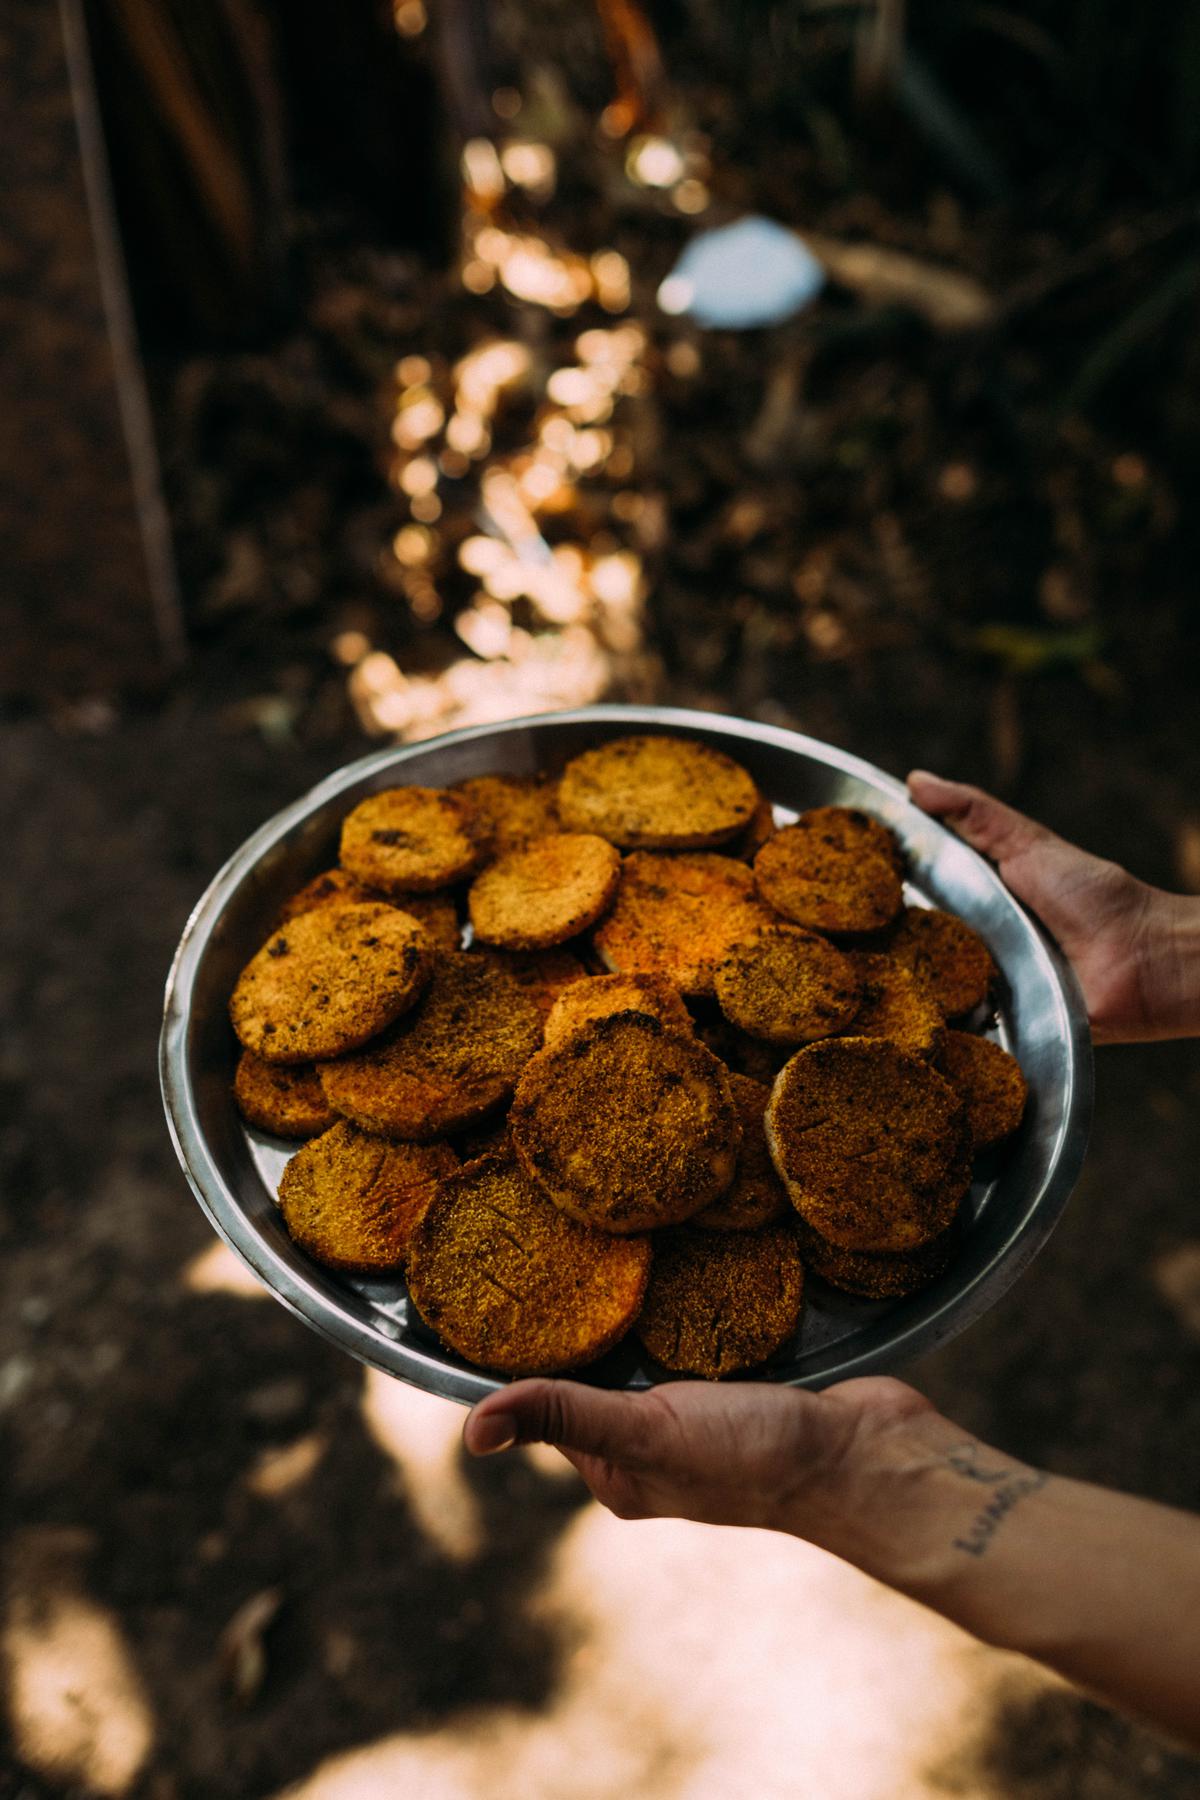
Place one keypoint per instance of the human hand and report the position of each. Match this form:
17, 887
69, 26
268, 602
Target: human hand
743, 1453
1133, 947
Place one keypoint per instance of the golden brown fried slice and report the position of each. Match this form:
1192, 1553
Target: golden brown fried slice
457, 1055
871, 1143
719, 1301
511, 1283
877, 1277
410, 840
546, 892
835, 869
657, 793
679, 916
599, 995
332, 888
946, 956
512, 809
761, 827
627, 1125
757, 1196
788, 986
894, 1005
352, 1201
990, 1082
541, 974
289, 1102
330, 981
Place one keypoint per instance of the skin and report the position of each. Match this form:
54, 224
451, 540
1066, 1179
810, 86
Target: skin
1100, 1586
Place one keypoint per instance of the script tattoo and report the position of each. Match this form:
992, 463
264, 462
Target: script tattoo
1009, 1486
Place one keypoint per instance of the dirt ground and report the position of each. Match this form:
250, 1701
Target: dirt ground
136, 1409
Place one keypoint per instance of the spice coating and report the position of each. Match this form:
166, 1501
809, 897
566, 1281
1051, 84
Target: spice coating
757, 1196
949, 959
598, 995
894, 1005
679, 916
721, 1301
549, 890
627, 1125
871, 1143
458, 1054
990, 1082
329, 982
352, 1200
285, 1100
657, 793
788, 986
511, 809
877, 1277
410, 840
511, 1283
835, 869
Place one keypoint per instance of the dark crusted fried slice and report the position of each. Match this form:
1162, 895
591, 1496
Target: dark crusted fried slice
352, 1200
597, 996
761, 827
679, 916
894, 1005
720, 1301
990, 1082
627, 1125
289, 1102
877, 1277
541, 974
871, 1143
329, 982
950, 959
511, 809
657, 793
511, 1283
788, 986
544, 893
835, 869
456, 1056
757, 1196
332, 888
410, 840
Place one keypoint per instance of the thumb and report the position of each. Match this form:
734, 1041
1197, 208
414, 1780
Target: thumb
986, 823
592, 1421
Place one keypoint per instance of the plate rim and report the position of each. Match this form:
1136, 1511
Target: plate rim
408, 1362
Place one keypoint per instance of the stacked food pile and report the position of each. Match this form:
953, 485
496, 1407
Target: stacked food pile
686, 1055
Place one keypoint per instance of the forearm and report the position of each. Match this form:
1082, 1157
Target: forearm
1102, 1587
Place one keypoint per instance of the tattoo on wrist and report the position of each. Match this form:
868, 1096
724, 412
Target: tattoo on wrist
1009, 1486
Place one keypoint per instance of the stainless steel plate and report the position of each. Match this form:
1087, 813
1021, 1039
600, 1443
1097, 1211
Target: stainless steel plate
234, 1171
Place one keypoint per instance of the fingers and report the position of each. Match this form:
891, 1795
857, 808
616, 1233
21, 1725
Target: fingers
987, 824
587, 1420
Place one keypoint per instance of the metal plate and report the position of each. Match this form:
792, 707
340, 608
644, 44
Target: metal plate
233, 1171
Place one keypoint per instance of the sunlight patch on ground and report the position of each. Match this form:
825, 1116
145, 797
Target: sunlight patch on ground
423, 1436
75, 1704
218, 1271
709, 1665
282, 1467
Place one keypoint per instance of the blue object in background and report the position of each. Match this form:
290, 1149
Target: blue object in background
753, 273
